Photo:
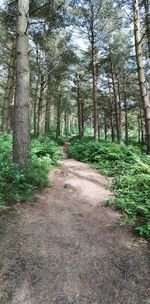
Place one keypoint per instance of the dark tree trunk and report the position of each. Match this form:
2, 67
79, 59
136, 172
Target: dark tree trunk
82, 118
79, 107
105, 129
141, 124
58, 128
126, 114
111, 114
41, 97
119, 110
48, 107
35, 107
115, 98
94, 89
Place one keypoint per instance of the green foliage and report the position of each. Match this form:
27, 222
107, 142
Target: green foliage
20, 185
46, 147
131, 171
60, 140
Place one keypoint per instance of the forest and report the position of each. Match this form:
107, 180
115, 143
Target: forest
79, 71
74, 151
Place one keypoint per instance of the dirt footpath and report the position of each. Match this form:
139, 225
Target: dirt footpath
68, 248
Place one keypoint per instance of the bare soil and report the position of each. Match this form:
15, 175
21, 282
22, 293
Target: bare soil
68, 248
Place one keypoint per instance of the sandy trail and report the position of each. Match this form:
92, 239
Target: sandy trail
68, 248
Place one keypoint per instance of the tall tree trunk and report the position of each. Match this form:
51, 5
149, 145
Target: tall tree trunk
9, 92
119, 108
79, 107
115, 97
58, 128
66, 124
111, 113
105, 127
36, 94
126, 113
94, 76
41, 97
35, 106
141, 71
48, 107
147, 21
141, 124
94, 86
21, 125
82, 118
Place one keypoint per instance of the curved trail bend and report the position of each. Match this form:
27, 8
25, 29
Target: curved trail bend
68, 248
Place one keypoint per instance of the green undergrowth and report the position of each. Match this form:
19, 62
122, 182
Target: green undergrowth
130, 169
19, 185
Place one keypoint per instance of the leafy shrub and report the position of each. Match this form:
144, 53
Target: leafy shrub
131, 171
46, 147
60, 140
20, 185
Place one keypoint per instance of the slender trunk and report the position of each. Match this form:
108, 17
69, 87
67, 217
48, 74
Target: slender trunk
41, 97
99, 125
119, 109
35, 107
139, 128
21, 125
115, 98
79, 107
105, 128
9, 92
141, 124
147, 22
111, 114
126, 114
48, 107
82, 118
36, 94
58, 129
94, 87
99, 131
141, 71
66, 124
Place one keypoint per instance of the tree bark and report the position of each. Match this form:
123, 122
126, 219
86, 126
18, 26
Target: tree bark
111, 113
48, 107
105, 128
141, 70
79, 107
9, 92
147, 22
58, 128
82, 118
35, 107
94, 89
119, 109
126, 114
141, 124
41, 97
115, 98
21, 126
